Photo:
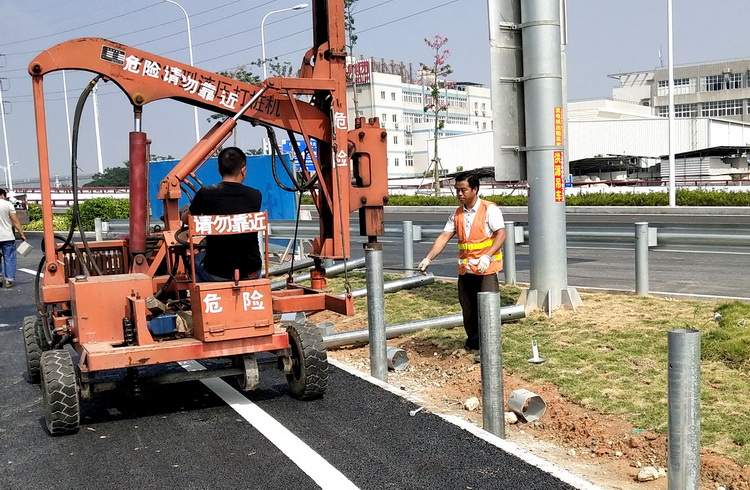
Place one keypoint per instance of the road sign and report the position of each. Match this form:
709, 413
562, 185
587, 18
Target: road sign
286, 147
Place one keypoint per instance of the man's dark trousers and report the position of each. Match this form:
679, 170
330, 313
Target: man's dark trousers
468, 287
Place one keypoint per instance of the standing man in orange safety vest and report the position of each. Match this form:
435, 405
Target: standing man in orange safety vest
481, 233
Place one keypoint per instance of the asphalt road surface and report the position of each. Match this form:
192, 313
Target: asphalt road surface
208, 434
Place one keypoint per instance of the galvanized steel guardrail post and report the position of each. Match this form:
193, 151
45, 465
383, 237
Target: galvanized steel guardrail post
408, 249
684, 408
491, 355
376, 310
509, 253
641, 259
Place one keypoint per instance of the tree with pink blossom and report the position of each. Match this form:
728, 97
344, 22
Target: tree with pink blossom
430, 76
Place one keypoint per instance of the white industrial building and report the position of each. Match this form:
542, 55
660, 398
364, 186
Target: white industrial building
393, 93
619, 139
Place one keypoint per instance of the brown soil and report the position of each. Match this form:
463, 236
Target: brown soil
603, 449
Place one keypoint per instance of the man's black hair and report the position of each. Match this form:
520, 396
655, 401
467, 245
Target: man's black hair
3, 193
231, 161
470, 178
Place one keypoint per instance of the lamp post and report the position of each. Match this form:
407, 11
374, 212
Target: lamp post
262, 36
8, 177
672, 131
190, 50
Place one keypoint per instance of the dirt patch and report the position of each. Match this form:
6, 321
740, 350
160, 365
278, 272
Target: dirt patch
603, 449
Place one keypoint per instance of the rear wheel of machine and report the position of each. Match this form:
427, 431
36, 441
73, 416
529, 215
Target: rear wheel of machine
62, 406
309, 375
33, 349
41, 339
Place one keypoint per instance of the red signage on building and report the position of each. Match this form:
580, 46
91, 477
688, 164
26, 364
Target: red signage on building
358, 72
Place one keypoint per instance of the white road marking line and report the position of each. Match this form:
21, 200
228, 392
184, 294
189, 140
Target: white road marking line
3, 325
313, 464
550, 468
29, 271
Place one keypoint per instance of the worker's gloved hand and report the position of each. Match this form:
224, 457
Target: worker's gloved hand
484, 263
424, 264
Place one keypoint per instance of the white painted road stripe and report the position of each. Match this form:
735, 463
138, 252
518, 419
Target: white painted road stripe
29, 271
313, 464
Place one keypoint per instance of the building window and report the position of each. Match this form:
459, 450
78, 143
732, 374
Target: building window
395, 162
409, 141
722, 108
384, 118
382, 94
395, 118
393, 95
681, 86
680, 110
484, 125
409, 161
712, 83
395, 140
733, 80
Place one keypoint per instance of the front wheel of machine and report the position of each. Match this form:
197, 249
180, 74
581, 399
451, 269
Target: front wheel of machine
308, 378
62, 405
33, 349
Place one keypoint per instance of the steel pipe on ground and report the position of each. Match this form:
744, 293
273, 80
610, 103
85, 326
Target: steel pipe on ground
360, 337
399, 284
335, 270
284, 268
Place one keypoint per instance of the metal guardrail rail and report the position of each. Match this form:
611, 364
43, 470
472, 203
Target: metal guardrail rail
673, 236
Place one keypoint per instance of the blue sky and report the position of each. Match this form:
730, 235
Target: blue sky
605, 37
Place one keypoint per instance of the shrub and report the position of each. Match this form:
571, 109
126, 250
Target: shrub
105, 208
35, 211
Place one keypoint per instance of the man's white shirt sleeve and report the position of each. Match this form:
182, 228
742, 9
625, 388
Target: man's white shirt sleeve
495, 220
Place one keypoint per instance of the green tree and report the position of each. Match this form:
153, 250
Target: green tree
254, 151
433, 72
111, 177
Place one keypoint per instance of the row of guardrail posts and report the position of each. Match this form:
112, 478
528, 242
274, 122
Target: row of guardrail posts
683, 362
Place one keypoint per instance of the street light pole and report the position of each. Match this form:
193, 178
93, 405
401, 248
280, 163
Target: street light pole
262, 36
672, 130
8, 176
190, 50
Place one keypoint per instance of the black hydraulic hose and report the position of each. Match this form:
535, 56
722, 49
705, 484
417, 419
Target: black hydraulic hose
276, 151
74, 170
169, 281
294, 242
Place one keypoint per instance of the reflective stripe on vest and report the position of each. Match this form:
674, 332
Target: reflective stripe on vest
472, 247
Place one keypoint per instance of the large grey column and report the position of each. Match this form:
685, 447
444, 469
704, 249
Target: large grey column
543, 103
506, 68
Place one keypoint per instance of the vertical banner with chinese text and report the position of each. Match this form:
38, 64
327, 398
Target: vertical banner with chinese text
559, 184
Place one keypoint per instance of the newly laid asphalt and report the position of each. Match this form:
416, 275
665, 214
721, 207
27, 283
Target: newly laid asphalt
186, 436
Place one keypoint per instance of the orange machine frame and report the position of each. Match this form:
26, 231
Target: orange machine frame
351, 168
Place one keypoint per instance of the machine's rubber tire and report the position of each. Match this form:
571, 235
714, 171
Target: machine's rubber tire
309, 376
41, 339
62, 405
33, 349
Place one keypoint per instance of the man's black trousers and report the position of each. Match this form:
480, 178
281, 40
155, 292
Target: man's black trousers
468, 287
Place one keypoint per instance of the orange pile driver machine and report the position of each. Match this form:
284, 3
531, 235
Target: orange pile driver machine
115, 307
